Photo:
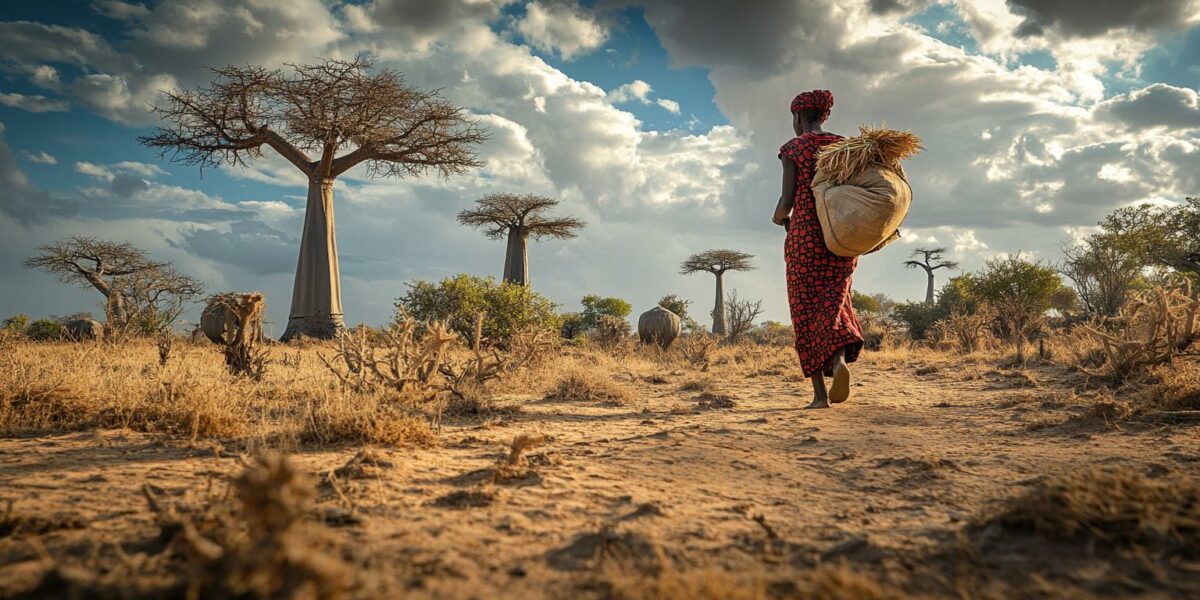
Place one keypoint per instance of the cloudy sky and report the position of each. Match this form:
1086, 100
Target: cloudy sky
657, 122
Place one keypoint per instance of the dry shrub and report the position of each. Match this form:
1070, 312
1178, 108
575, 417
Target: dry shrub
582, 385
1153, 328
404, 357
966, 332
1117, 506
261, 546
467, 378
611, 332
244, 314
879, 333
364, 419
697, 350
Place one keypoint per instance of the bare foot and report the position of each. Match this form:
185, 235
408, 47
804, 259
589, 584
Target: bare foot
818, 403
820, 396
840, 390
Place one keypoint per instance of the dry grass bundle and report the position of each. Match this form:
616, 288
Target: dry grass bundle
581, 385
1118, 506
364, 419
873, 146
1154, 327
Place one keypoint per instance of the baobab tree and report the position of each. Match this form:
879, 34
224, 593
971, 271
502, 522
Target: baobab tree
930, 259
717, 262
342, 112
139, 293
518, 218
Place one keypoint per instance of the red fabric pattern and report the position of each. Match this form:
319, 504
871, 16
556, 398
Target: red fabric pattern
821, 100
818, 281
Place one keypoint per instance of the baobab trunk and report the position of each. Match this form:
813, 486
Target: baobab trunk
516, 257
317, 293
718, 313
929, 289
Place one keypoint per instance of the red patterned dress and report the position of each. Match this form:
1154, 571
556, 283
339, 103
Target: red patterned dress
818, 281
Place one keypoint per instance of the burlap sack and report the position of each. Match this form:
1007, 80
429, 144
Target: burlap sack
863, 214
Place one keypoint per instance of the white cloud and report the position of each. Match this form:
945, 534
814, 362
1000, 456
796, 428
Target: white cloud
670, 106
561, 29
33, 103
41, 157
635, 90
94, 170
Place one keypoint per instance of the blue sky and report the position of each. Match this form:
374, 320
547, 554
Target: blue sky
656, 122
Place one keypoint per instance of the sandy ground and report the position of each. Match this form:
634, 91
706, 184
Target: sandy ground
761, 484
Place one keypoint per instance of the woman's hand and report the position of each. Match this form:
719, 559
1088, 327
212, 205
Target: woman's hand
783, 209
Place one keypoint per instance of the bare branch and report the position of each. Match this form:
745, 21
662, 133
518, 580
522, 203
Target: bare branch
319, 109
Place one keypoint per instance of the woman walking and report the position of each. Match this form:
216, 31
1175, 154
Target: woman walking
828, 335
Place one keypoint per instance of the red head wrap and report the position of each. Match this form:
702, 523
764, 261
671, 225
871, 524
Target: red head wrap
819, 100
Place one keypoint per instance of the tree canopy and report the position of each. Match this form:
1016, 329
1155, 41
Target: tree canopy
716, 262
139, 292
595, 308
1164, 236
930, 259
497, 214
371, 115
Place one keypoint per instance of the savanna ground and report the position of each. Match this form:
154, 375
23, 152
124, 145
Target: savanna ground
595, 474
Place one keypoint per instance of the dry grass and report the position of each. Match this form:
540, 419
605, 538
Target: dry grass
873, 146
829, 582
581, 385
1119, 506
79, 386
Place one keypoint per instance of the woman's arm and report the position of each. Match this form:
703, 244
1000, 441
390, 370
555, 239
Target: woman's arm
784, 208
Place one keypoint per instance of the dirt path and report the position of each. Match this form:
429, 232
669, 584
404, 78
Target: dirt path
907, 460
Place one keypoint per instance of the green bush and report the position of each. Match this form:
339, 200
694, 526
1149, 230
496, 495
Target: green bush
864, 303
507, 307
572, 325
595, 307
16, 324
679, 306
45, 330
918, 317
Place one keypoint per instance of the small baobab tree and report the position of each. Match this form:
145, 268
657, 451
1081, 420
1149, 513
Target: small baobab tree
325, 119
717, 262
518, 218
929, 260
140, 294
